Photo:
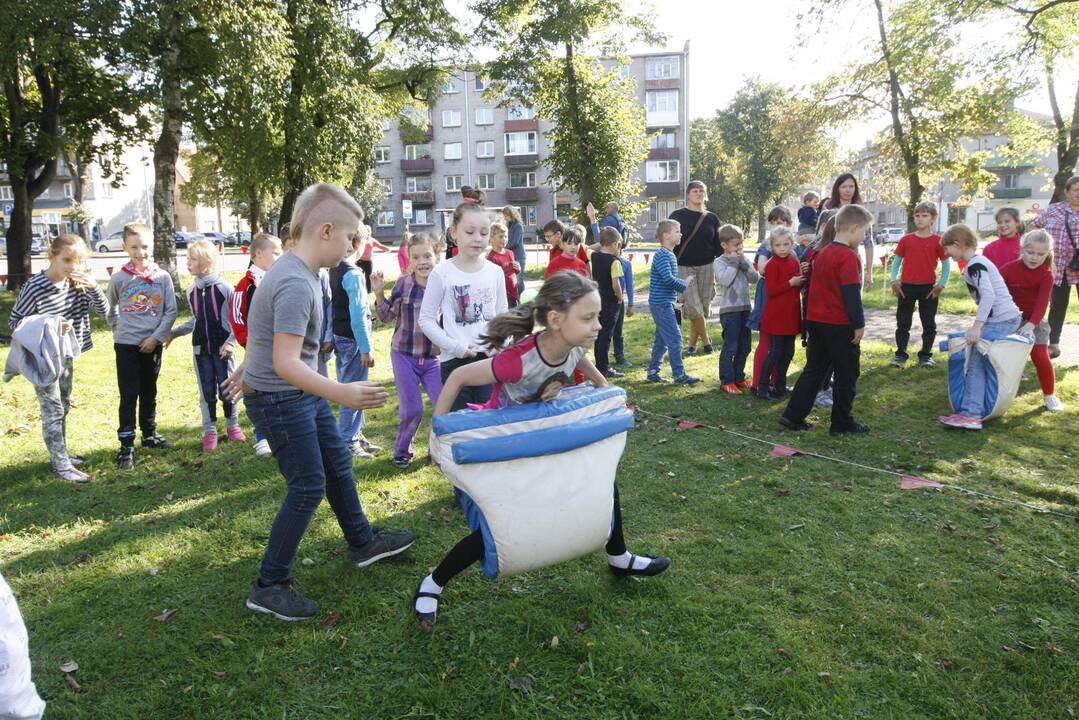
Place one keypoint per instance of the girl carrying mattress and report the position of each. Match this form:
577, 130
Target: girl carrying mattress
533, 369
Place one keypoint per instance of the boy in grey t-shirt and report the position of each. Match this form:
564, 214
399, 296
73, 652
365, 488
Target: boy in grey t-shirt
286, 398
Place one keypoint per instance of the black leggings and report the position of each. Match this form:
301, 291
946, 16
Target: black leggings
780, 354
366, 266
469, 549
1058, 308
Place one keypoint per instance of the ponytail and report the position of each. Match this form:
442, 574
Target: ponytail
515, 324
558, 293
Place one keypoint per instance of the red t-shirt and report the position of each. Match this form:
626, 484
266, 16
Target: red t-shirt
782, 312
835, 266
561, 262
505, 261
1030, 289
920, 256
582, 254
1002, 251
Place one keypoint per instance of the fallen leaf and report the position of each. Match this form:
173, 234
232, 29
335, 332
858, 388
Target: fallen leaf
554, 643
168, 498
515, 663
825, 675
1056, 650
1005, 648
446, 514
72, 683
783, 652
994, 541
331, 620
223, 640
799, 526
968, 464
687, 424
307, 562
153, 571
580, 627
69, 667
18, 430
947, 662
219, 674
166, 616
521, 684
787, 671
949, 527
582, 668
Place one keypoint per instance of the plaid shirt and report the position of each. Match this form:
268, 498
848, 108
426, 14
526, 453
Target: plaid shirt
404, 305
1053, 220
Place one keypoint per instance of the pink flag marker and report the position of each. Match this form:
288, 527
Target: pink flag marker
630, 256
785, 451
912, 482
631, 407
687, 424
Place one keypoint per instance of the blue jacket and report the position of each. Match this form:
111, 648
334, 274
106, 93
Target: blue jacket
664, 281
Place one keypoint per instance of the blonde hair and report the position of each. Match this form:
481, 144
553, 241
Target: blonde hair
498, 229
421, 238
512, 214
205, 252
141, 230
68, 240
363, 232
730, 232
926, 207
262, 241
609, 236
665, 226
960, 234
321, 197
780, 231
851, 215
1040, 237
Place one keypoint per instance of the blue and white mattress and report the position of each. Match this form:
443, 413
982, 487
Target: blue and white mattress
536, 479
1005, 357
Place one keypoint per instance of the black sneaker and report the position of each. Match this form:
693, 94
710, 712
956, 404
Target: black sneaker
691, 350
708, 350
687, 380
622, 362
402, 462
383, 544
655, 566
899, 361
791, 425
612, 373
156, 442
125, 459
657, 378
852, 429
284, 601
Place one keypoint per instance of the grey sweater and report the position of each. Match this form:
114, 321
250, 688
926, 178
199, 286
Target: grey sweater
139, 309
733, 276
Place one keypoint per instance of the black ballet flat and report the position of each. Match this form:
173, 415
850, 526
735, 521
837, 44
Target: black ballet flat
655, 567
427, 620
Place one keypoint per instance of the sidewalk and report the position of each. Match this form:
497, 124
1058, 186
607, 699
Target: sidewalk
880, 325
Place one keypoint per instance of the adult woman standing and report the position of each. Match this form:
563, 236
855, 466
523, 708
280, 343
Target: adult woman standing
516, 242
697, 250
845, 192
1061, 220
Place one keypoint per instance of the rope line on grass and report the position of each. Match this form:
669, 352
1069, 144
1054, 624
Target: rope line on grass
808, 453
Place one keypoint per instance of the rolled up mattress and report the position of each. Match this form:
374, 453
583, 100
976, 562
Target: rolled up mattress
537, 479
1005, 357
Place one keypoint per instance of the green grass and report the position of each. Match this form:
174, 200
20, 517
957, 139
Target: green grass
800, 588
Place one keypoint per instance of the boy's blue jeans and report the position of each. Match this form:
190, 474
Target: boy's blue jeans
668, 340
737, 341
349, 369
316, 463
974, 387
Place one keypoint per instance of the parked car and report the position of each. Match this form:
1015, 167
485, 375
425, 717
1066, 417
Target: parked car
113, 243
216, 238
183, 239
891, 236
239, 238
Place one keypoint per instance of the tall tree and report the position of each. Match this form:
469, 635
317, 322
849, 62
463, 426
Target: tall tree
58, 70
550, 60
712, 162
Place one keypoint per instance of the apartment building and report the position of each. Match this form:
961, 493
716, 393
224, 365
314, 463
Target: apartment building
466, 139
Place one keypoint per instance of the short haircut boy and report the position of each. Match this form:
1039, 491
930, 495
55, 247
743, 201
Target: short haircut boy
554, 226
498, 229
960, 234
730, 232
609, 236
328, 199
850, 215
780, 214
665, 226
810, 197
137, 230
263, 241
926, 207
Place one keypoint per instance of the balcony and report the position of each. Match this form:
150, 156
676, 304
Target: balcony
665, 153
1000, 193
663, 189
421, 197
530, 160
521, 125
522, 194
664, 84
417, 166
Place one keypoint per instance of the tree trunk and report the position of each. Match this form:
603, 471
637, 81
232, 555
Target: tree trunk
586, 191
19, 233
166, 151
295, 172
79, 166
254, 214
1067, 141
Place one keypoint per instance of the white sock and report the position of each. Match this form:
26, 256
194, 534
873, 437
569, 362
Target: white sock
640, 562
425, 604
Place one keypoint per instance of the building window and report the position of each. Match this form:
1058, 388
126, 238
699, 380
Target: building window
485, 116
387, 184
486, 181
528, 215
106, 189
660, 210
522, 179
1010, 181
382, 154
418, 152
453, 183
521, 143
421, 216
662, 68
485, 149
662, 101
5, 193
482, 83
69, 190
420, 183
451, 118
385, 218
451, 151
664, 139
661, 170
453, 85
521, 113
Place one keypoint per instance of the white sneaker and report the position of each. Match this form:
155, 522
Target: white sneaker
368, 445
824, 398
358, 452
1053, 404
262, 448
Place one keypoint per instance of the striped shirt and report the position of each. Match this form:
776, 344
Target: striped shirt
40, 296
404, 305
664, 284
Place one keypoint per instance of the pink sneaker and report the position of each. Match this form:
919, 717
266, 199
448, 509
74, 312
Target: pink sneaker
961, 421
236, 434
209, 442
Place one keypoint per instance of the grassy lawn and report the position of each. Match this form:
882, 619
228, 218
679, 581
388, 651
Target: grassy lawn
800, 588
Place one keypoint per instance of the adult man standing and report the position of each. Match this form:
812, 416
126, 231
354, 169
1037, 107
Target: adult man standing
614, 219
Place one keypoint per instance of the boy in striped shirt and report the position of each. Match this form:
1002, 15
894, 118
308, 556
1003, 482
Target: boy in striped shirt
663, 290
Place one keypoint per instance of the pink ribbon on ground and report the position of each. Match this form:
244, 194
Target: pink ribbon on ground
785, 451
912, 482
687, 424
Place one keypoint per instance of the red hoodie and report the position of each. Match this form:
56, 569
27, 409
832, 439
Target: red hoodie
241, 302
